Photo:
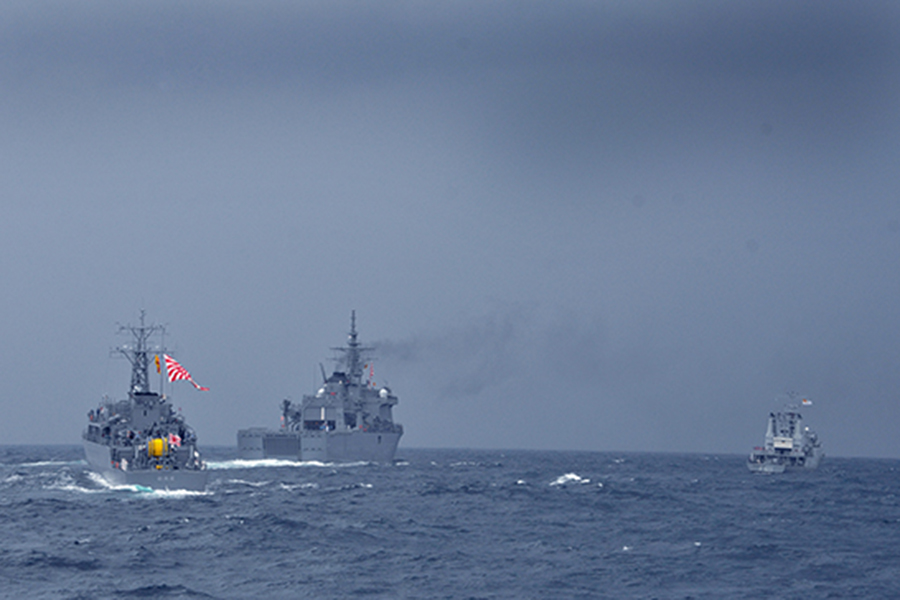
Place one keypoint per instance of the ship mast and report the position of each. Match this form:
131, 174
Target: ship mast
138, 353
793, 402
353, 353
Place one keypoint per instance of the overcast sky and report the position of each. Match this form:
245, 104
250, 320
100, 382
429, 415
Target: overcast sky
566, 225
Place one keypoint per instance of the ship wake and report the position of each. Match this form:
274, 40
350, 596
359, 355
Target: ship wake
243, 463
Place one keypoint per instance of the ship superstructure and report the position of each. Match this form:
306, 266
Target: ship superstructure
789, 445
348, 419
141, 440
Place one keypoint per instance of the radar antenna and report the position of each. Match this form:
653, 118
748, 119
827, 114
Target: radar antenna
353, 353
138, 353
794, 401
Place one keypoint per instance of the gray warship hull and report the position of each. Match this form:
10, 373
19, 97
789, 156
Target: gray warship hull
348, 419
141, 440
767, 462
99, 458
789, 445
322, 446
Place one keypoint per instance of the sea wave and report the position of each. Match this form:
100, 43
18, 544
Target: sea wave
537, 526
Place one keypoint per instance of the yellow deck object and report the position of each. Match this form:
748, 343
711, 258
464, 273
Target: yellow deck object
157, 447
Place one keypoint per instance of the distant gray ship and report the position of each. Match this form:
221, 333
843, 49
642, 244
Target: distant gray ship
141, 440
348, 419
789, 445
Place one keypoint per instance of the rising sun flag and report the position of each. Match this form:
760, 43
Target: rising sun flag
175, 372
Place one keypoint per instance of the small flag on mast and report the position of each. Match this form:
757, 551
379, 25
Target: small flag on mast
175, 372
806, 402
158, 370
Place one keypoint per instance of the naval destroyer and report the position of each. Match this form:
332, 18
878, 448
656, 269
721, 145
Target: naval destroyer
789, 444
348, 419
142, 440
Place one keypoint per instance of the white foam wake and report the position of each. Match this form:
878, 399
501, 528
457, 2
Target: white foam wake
53, 463
68, 484
241, 463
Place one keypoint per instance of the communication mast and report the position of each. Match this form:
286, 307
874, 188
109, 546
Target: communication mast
138, 353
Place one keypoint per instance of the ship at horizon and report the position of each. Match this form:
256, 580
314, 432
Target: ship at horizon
141, 440
789, 445
348, 419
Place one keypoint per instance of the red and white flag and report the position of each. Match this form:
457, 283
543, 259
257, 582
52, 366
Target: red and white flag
174, 439
175, 372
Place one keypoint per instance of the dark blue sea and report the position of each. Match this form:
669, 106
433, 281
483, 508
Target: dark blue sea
454, 524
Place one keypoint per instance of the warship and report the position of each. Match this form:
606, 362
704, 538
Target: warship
141, 440
789, 445
348, 419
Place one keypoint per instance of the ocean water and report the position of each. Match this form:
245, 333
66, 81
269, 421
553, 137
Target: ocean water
453, 524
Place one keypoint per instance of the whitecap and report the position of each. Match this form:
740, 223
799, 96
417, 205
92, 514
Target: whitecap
245, 482
569, 478
298, 486
151, 493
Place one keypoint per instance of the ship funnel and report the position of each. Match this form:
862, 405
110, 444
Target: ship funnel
770, 431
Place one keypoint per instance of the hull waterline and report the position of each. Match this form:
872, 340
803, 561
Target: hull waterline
98, 457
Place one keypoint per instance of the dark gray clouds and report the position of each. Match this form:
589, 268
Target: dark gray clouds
581, 225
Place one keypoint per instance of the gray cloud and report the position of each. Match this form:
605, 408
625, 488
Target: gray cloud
601, 226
